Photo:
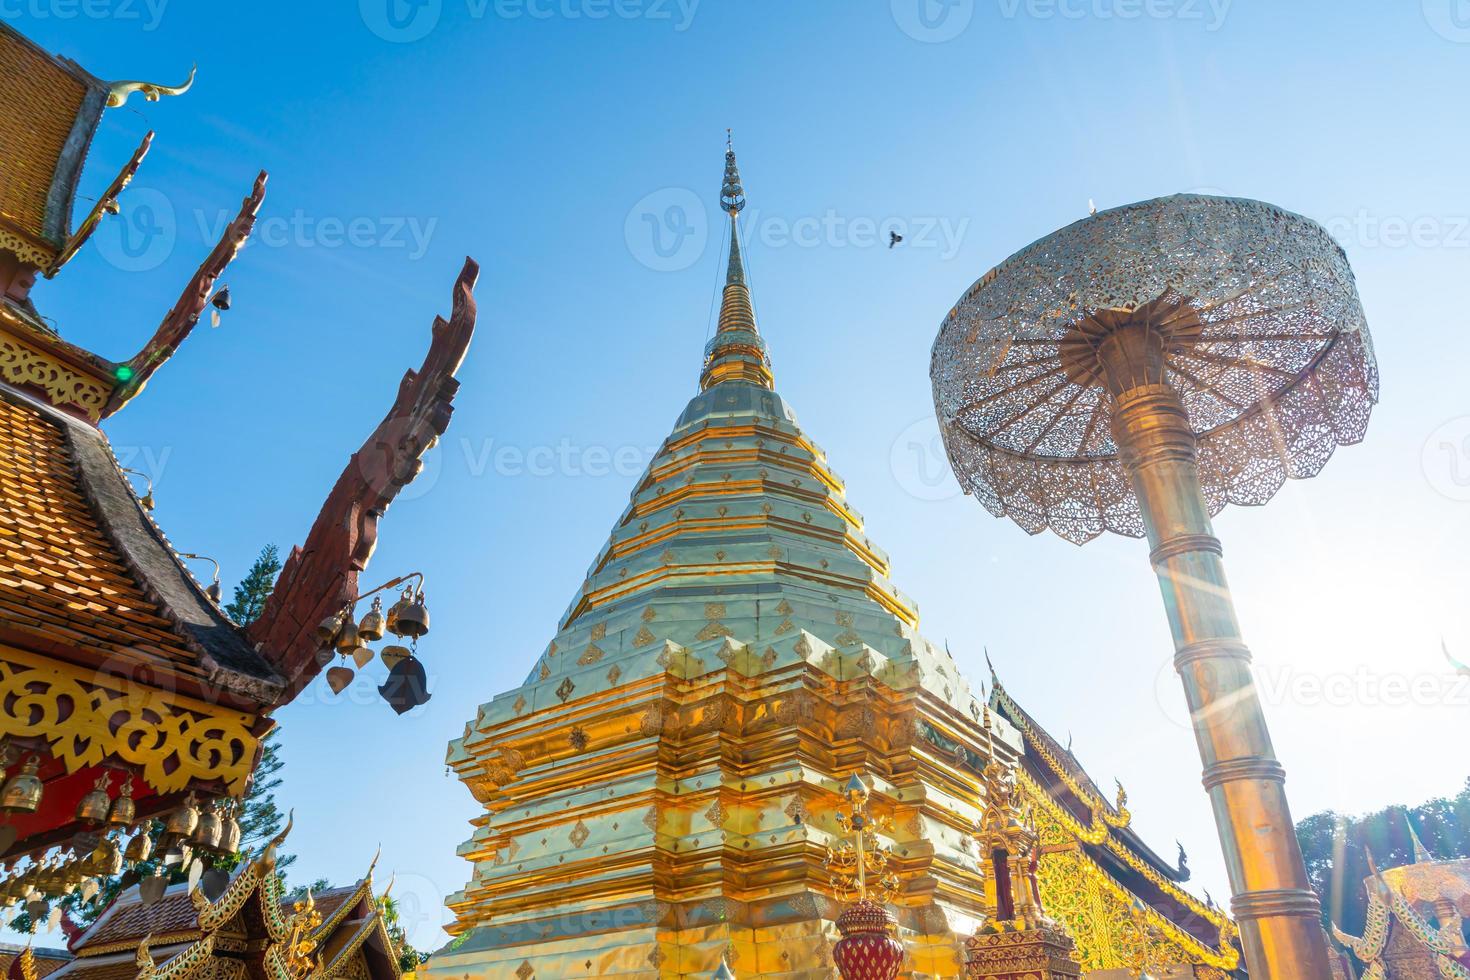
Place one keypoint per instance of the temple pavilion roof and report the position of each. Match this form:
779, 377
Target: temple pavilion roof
117, 667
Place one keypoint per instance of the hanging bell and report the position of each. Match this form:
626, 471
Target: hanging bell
327, 628
396, 610
181, 822
370, 630
347, 639
107, 859
207, 833
140, 848
124, 811
151, 889
230, 833
413, 619
405, 688
22, 792
94, 807
221, 299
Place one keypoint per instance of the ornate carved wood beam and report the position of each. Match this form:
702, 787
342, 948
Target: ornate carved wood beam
320, 576
180, 321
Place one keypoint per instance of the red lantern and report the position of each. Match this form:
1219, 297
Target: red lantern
867, 949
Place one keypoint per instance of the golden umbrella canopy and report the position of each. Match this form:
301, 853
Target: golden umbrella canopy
1265, 342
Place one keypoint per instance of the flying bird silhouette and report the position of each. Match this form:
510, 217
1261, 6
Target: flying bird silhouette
894, 238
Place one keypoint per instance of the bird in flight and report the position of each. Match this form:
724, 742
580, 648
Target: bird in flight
894, 238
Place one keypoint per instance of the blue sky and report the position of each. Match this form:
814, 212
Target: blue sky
573, 147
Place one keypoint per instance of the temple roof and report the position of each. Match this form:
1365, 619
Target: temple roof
50, 110
84, 568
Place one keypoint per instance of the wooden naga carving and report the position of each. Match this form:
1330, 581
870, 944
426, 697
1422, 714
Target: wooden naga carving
179, 322
320, 576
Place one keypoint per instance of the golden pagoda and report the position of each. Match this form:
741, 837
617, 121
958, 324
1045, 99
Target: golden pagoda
660, 794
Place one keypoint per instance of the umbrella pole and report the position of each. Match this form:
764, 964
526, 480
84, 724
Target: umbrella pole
1278, 913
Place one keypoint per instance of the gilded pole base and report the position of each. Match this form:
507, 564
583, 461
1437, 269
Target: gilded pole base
1047, 953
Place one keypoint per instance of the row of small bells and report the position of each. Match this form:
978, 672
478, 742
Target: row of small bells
94, 855
406, 687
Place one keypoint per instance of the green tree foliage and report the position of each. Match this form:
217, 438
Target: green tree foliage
255, 587
1336, 846
408, 957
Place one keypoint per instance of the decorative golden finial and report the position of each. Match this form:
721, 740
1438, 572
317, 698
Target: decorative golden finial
860, 866
118, 92
732, 195
1421, 853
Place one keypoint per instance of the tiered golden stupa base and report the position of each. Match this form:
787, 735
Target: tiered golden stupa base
1047, 953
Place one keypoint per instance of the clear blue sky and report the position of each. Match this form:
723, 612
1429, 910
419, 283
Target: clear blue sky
542, 139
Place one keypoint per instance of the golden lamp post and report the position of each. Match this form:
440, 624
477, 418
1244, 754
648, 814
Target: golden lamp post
1134, 372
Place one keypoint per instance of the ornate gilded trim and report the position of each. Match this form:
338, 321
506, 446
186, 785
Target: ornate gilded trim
23, 365
26, 250
88, 716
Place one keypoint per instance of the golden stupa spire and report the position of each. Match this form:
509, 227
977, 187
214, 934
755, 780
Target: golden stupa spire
737, 352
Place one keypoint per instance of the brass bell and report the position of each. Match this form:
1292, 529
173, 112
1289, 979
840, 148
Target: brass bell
327, 628
370, 630
413, 619
207, 833
22, 792
94, 807
182, 821
107, 859
229, 838
140, 848
124, 811
395, 610
347, 641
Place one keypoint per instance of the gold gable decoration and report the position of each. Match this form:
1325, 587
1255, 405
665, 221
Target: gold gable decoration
87, 716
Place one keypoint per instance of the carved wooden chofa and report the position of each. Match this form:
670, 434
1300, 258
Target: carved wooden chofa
1019, 939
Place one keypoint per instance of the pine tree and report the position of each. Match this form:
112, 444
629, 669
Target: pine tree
255, 587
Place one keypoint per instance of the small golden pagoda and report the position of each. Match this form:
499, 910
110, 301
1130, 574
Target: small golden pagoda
661, 794
126, 692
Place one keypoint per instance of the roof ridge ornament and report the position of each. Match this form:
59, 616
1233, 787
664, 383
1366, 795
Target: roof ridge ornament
118, 93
